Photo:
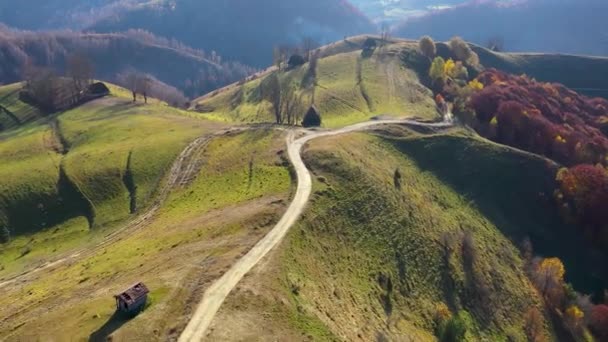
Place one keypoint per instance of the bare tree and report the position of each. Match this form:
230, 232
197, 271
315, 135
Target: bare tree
496, 43
308, 44
80, 69
272, 93
143, 86
385, 34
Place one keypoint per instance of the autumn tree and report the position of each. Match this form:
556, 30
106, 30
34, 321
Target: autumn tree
598, 323
437, 72
534, 327
548, 277
573, 319
463, 51
427, 47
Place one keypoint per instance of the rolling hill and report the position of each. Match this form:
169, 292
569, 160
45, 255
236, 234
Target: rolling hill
348, 87
412, 232
191, 71
110, 182
524, 26
263, 24
378, 259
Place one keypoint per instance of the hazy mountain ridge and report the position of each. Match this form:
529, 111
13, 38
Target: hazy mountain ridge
263, 24
520, 25
192, 71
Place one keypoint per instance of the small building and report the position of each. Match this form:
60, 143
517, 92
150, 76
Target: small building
133, 300
312, 118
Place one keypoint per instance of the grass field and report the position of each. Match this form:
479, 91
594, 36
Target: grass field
346, 87
63, 173
18, 112
241, 190
371, 260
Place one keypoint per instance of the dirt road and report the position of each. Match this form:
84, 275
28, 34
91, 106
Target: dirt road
215, 295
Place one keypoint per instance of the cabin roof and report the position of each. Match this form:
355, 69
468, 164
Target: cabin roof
133, 294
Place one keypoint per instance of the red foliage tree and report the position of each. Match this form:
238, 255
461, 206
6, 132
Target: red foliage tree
544, 118
598, 323
586, 187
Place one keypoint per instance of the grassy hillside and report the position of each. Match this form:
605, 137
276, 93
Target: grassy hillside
69, 177
239, 192
376, 260
346, 88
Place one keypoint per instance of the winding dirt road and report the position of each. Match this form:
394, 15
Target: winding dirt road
215, 295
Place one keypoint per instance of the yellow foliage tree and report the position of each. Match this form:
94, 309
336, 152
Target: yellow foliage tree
553, 267
437, 71
549, 279
449, 67
574, 317
476, 85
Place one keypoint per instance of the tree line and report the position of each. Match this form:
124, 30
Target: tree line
193, 72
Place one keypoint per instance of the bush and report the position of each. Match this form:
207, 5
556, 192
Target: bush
5, 235
427, 47
455, 329
295, 61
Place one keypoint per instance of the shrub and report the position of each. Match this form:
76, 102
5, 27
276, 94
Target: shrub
5, 235
295, 61
455, 329
427, 47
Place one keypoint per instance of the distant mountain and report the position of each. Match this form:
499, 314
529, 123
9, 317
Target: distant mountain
559, 26
189, 70
55, 14
243, 30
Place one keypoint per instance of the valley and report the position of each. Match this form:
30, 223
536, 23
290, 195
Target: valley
372, 188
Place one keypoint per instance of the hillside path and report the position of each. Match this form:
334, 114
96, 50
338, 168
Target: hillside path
215, 295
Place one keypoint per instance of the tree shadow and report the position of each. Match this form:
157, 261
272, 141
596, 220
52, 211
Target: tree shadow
114, 323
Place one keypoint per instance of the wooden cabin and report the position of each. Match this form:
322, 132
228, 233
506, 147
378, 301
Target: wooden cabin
133, 300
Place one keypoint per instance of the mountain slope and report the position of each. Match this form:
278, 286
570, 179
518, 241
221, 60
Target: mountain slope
184, 68
59, 14
262, 24
374, 258
562, 26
